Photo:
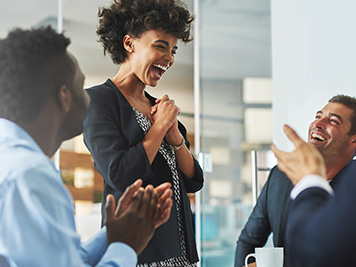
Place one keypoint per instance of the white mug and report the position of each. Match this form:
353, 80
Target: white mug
267, 257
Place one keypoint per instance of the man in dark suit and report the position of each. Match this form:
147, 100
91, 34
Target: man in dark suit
321, 223
271, 211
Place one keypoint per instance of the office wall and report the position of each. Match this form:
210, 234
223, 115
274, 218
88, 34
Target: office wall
313, 58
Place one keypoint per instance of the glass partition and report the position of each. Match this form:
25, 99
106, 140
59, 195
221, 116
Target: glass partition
236, 97
79, 174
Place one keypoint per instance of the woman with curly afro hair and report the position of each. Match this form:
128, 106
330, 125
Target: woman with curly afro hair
131, 134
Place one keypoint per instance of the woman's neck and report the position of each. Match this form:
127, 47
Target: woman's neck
133, 90
128, 83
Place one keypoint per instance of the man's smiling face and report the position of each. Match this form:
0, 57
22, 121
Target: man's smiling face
329, 131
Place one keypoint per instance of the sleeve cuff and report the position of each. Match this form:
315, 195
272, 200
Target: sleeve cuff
120, 253
308, 181
93, 249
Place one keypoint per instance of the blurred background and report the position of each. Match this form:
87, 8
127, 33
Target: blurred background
235, 106
222, 82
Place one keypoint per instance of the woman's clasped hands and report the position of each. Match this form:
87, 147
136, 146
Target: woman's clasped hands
165, 113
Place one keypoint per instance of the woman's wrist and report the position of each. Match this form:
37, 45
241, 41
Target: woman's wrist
175, 148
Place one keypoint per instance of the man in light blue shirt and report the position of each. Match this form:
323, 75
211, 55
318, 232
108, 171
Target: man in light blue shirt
42, 103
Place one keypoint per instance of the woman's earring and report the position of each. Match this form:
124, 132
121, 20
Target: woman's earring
130, 51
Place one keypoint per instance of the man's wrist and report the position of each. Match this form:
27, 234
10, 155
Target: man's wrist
308, 181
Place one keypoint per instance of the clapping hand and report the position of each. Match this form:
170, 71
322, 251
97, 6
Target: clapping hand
139, 212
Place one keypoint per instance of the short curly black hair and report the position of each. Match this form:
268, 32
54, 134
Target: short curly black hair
138, 16
33, 65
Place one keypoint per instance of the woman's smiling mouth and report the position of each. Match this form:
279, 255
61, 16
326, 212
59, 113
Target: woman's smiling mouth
159, 70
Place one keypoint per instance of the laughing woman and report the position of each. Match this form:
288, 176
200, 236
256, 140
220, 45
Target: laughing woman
131, 134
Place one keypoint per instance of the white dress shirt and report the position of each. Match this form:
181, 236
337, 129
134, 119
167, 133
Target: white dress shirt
308, 181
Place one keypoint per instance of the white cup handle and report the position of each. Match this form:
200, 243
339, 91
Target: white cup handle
248, 256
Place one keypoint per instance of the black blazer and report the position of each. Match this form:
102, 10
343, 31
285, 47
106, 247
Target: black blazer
322, 228
113, 137
269, 215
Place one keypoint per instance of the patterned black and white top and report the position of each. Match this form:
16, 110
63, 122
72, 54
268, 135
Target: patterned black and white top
169, 156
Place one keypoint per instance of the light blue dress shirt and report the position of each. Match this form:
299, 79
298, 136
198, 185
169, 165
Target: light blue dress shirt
37, 226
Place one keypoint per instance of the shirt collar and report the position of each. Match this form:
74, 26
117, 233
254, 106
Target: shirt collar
10, 130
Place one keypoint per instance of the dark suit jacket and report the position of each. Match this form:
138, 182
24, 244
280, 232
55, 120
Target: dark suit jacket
113, 137
322, 228
268, 216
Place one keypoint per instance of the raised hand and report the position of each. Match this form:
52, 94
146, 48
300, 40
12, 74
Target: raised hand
304, 160
163, 209
139, 212
126, 199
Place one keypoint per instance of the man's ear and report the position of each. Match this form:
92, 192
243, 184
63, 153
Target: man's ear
128, 43
64, 98
353, 142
